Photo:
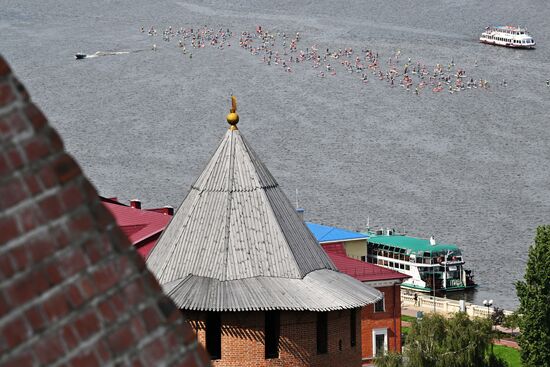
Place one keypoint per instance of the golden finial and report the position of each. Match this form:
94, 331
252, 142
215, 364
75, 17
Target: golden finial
232, 117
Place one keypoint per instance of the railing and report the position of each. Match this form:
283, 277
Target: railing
445, 305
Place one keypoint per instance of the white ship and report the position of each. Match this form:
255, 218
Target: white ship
507, 36
429, 264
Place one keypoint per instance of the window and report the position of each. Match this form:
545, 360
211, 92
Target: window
272, 332
379, 342
379, 306
363, 258
407, 267
214, 335
322, 332
353, 327
379, 348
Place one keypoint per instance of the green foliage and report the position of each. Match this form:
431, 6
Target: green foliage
455, 342
534, 296
389, 360
422, 348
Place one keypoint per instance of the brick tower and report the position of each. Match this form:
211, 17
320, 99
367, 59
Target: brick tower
251, 278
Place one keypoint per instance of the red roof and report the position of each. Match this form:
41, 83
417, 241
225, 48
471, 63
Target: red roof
335, 248
358, 269
142, 227
147, 246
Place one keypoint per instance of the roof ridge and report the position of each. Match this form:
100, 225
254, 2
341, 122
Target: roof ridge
229, 197
232, 190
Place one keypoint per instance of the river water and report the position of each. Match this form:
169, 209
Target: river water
471, 168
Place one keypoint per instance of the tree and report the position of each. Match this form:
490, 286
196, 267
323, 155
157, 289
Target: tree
436, 341
389, 360
512, 321
534, 296
425, 340
498, 316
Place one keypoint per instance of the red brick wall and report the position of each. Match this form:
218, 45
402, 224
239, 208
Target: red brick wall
73, 291
243, 340
389, 319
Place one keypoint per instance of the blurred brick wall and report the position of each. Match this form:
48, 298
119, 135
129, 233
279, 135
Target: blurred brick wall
73, 292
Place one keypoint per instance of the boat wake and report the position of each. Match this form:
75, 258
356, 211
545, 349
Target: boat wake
80, 56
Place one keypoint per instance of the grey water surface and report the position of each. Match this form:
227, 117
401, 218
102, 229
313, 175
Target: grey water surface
471, 168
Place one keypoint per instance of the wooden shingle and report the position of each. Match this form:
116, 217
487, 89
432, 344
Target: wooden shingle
236, 243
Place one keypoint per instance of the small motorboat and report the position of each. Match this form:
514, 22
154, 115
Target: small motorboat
80, 56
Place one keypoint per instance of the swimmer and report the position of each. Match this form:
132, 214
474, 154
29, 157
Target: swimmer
154, 47
548, 82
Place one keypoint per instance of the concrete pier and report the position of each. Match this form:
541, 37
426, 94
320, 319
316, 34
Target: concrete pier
425, 303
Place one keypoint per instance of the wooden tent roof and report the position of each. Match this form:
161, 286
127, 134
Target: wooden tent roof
236, 243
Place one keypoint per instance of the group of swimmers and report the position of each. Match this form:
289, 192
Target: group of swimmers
281, 49
196, 38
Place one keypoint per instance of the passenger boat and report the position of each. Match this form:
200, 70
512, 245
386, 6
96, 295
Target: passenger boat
507, 36
430, 264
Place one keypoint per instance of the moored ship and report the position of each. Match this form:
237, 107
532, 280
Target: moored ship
430, 264
507, 36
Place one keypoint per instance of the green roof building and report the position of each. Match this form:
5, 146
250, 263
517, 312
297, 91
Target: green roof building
430, 265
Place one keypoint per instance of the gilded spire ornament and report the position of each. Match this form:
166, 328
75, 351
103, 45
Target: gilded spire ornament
233, 117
